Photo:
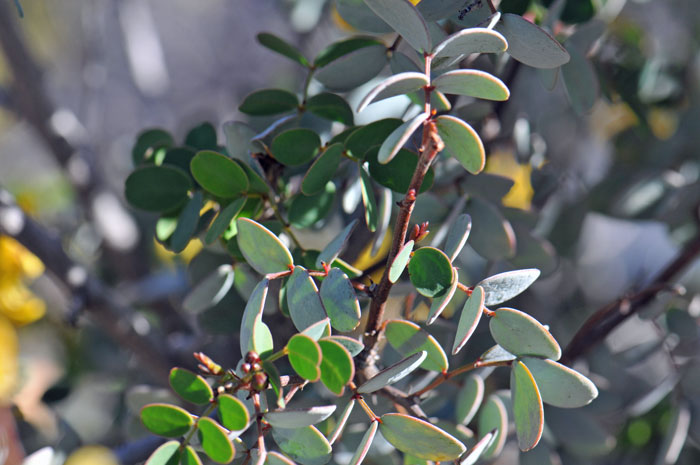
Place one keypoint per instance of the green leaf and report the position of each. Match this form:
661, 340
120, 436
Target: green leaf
405, 19
530, 44
322, 170
215, 441
366, 137
269, 102
340, 424
186, 223
319, 329
431, 271
295, 147
391, 146
440, 302
469, 399
400, 261
580, 80
334, 247
408, 338
305, 445
469, 318
255, 335
218, 174
419, 438
190, 457
397, 174
305, 306
340, 301
179, 157
280, 46
521, 334
238, 139
496, 354
166, 420
166, 454
305, 211
305, 357
474, 454
527, 406
359, 16
353, 68
148, 143
157, 188
462, 143
472, 83
468, 41
275, 458
331, 107
232, 412
492, 236
202, 137
368, 200
337, 367
223, 220
504, 286
398, 84
339, 49
190, 386
273, 376
263, 251
493, 416
559, 385
352, 345
457, 236
394, 373
299, 418
365, 444
257, 183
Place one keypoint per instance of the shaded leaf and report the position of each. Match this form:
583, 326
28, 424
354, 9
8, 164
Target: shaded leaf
282, 47
165, 454
190, 457
408, 338
340, 425
580, 81
218, 174
340, 301
559, 385
186, 223
394, 373
472, 83
403, 17
492, 236
419, 438
504, 286
305, 357
457, 235
319, 329
337, 367
232, 412
400, 261
305, 211
190, 386
365, 444
295, 147
397, 174
493, 416
469, 318
676, 435
431, 271
351, 344
331, 251
368, 200
361, 140
254, 334
148, 143
305, 306
469, 399
238, 140
339, 49
398, 84
298, 418
530, 44
214, 441
354, 68
273, 377
331, 107
521, 334
322, 170
166, 420
263, 251
474, 454
202, 137
305, 445
468, 41
157, 188
269, 102
275, 458
462, 143
396, 140
440, 302
223, 220
210, 290
528, 412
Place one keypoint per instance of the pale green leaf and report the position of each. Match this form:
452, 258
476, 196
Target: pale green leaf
528, 412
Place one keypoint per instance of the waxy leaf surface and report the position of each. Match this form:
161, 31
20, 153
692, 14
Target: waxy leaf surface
468, 41
528, 412
166, 420
400, 261
305, 305
462, 143
419, 438
472, 83
431, 271
440, 302
322, 170
331, 107
223, 220
218, 174
392, 144
340, 301
504, 286
521, 334
493, 416
398, 84
299, 418
305, 357
254, 334
263, 251
403, 17
232, 412
408, 338
190, 386
530, 44
469, 399
559, 385
337, 367
365, 444
215, 441
457, 236
305, 445
295, 147
166, 454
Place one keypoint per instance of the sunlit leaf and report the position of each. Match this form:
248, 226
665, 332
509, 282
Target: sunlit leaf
393, 143
431, 271
305, 445
340, 425
468, 41
157, 188
472, 83
305, 357
190, 386
298, 418
337, 367
462, 142
318, 330
521, 334
263, 251
493, 416
340, 301
232, 412
214, 441
457, 236
219, 174
223, 220
254, 334
400, 261
474, 454
352, 345
305, 305
190, 457
403, 17
559, 385
419, 438
408, 338
528, 412
365, 444
504, 286
166, 454
166, 420
398, 84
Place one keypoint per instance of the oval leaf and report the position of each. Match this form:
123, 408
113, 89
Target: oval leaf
305, 357
492, 236
352, 345
166, 420
361, 140
439, 303
269, 102
215, 441
223, 220
331, 107
334, 247
457, 236
166, 454
305, 306
391, 146
496, 354
355, 68
528, 412
190, 386
469, 319
431, 271
462, 143
472, 83
393, 374
254, 334
337, 367
400, 261
530, 44
305, 445
580, 80
408, 338
419, 438
299, 418
280, 46
340, 301
218, 174
559, 385
403, 17
468, 41
157, 188
521, 334
295, 147
232, 412
469, 399
263, 251
397, 174
322, 170
493, 416
186, 223
210, 290
305, 211
504, 286
365, 444
398, 84
190, 457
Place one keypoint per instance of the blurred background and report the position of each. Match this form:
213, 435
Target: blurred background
602, 191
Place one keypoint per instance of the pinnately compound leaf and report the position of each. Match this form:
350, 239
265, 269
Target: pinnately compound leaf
469, 318
419, 438
393, 373
528, 412
504, 286
261, 248
521, 334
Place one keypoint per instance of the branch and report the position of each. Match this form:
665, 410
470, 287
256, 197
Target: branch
86, 291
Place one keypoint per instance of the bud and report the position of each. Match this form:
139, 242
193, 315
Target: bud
245, 368
259, 382
252, 357
207, 364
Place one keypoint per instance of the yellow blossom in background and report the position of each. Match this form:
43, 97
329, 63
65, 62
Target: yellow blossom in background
504, 164
92, 455
9, 348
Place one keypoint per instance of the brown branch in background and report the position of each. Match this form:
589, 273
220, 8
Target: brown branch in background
87, 292
612, 315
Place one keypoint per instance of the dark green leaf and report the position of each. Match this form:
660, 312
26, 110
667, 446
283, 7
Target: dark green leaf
504, 286
166, 454
166, 420
269, 102
366, 137
190, 457
295, 147
408, 338
232, 412
394, 373
238, 140
157, 188
492, 236
440, 302
337, 367
186, 223
262, 250
354, 68
368, 200
330, 106
218, 174
307, 210
527, 406
462, 143
215, 441
420, 438
305, 445
179, 157
469, 318
190, 386
521, 334
575, 11
405, 19
280, 46
305, 357
223, 220
148, 143
340, 301
397, 174
530, 44
580, 80
305, 306
431, 271
202, 137
273, 376
559, 385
